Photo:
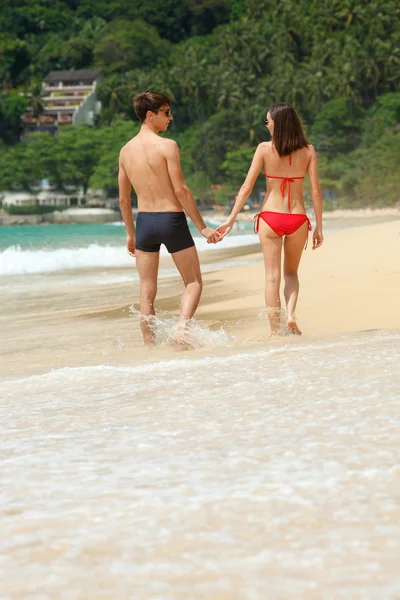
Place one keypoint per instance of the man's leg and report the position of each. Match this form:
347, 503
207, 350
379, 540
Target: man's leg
272, 249
293, 249
188, 265
147, 266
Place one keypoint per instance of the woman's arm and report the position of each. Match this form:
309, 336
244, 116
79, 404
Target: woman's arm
316, 196
245, 190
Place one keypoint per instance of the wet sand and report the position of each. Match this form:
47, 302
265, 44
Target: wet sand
351, 284
248, 469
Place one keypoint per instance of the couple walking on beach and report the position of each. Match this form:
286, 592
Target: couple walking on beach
151, 165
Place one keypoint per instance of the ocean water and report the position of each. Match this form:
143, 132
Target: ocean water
44, 249
53, 248
245, 469
261, 472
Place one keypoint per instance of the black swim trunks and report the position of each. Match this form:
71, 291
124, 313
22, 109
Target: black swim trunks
168, 228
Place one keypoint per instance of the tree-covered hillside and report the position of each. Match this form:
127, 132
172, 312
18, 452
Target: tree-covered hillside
223, 62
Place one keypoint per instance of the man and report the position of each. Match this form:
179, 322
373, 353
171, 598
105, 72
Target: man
151, 164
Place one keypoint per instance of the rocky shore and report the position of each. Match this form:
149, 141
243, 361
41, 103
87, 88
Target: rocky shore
69, 216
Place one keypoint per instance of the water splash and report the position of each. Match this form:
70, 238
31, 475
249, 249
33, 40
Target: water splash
280, 314
197, 333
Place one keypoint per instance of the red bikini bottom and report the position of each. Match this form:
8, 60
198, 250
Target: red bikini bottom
281, 223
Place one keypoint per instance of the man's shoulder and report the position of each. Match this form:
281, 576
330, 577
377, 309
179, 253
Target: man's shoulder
169, 147
170, 144
128, 145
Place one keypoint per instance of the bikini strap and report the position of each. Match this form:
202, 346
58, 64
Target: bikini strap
256, 222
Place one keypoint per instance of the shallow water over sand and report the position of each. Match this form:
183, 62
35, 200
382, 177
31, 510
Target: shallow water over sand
247, 469
270, 473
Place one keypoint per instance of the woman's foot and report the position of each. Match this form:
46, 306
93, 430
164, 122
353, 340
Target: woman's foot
293, 328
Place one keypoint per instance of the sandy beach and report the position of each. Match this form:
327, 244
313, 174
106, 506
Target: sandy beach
247, 468
350, 284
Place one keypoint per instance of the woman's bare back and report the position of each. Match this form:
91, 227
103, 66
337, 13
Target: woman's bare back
279, 172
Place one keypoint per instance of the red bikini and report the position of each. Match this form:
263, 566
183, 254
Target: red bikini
282, 223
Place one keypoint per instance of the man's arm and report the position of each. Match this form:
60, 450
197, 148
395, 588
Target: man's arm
124, 186
183, 193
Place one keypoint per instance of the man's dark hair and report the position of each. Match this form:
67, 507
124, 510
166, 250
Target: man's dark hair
149, 101
288, 131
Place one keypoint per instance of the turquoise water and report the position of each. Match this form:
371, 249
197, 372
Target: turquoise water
34, 237
30, 237
44, 248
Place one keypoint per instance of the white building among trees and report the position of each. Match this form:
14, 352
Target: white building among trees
67, 98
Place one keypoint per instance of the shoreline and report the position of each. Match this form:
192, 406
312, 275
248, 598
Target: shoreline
337, 214
98, 216
77, 325
72, 216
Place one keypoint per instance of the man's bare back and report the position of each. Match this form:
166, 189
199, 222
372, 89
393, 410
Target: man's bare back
144, 159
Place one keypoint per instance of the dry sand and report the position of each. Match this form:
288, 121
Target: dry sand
351, 283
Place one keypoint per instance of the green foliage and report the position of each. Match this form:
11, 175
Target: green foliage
237, 163
222, 62
111, 140
20, 168
225, 193
383, 115
174, 19
125, 45
12, 106
369, 176
67, 160
14, 58
338, 126
378, 184
78, 153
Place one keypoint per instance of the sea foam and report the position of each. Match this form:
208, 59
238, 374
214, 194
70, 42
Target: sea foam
17, 261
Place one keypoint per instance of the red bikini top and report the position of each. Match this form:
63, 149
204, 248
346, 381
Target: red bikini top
285, 180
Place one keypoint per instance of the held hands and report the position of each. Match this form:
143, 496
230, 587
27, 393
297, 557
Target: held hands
211, 235
318, 238
225, 227
130, 245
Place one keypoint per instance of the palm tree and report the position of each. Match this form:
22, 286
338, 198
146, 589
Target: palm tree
35, 99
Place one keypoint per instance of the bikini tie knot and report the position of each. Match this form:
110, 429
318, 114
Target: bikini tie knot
283, 184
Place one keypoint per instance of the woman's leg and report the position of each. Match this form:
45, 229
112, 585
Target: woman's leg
293, 248
272, 249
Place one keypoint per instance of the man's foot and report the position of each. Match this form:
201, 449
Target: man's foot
182, 337
147, 325
274, 315
274, 335
293, 328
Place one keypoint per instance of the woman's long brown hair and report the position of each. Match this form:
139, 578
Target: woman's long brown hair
288, 131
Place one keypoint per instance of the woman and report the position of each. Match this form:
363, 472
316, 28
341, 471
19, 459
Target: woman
282, 221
